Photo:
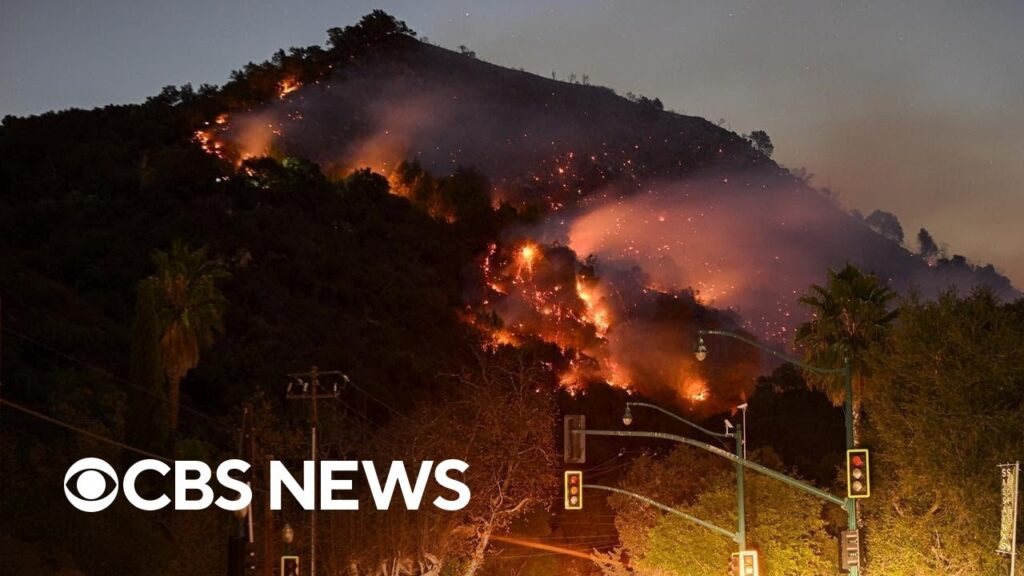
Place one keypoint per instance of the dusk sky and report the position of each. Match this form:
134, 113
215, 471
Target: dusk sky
912, 107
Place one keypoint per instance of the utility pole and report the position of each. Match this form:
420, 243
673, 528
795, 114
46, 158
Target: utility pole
241, 551
268, 522
246, 450
1010, 489
306, 386
741, 505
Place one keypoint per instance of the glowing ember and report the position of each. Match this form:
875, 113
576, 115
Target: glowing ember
287, 86
694, 389
527, 256
542, 292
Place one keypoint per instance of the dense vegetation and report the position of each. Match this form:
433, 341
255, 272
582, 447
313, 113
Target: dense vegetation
941, 404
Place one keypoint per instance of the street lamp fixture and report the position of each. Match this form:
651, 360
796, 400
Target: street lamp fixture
627, 417
700, 351
287, 534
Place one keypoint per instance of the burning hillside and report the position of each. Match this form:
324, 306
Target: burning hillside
678, 211
612, 329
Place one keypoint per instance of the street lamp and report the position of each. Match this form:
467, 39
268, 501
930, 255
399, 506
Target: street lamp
627, 417
746, 432
700, 350
287, 534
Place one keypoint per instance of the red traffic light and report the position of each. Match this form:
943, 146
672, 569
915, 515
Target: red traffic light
573, 490
858, 477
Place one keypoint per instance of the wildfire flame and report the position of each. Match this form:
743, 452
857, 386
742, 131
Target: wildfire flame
527, 256
542, 292
287, 86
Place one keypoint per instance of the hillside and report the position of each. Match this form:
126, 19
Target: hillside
412, 100
694, 205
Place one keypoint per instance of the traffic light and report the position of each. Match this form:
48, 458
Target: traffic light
858, 476
573, 439
573, 490
734, 564
748, 563
289, 566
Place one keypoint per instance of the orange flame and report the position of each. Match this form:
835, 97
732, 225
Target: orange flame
287, 86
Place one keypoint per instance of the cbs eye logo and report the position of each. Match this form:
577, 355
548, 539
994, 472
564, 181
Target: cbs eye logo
90, 485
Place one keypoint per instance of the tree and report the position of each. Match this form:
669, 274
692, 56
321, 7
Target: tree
371, 29
501, 421
947, 409
886, 224
147, 419
926, 245
784, 524
800, 425
850, 314
761, 142
190, 310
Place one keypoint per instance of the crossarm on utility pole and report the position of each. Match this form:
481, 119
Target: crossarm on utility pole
813, 491
731, 535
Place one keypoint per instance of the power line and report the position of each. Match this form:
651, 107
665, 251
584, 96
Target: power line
114, 377
74, 428
375, 399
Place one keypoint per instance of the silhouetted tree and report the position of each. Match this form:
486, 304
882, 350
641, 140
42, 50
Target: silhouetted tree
926, 245
850, 314
886, 224
190, 308
148, 418
372, 28
762, 142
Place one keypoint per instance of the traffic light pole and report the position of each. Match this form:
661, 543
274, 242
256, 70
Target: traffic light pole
735, 537
850, 505
799, 485
740, 536
741, 505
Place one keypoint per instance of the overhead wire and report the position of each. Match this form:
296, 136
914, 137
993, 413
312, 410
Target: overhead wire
26, 338
76, 429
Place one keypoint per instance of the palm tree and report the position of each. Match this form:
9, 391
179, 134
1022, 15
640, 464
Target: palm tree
850, 314
190, 310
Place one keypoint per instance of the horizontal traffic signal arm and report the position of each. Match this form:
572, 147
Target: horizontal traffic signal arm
727, 533
812, 490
